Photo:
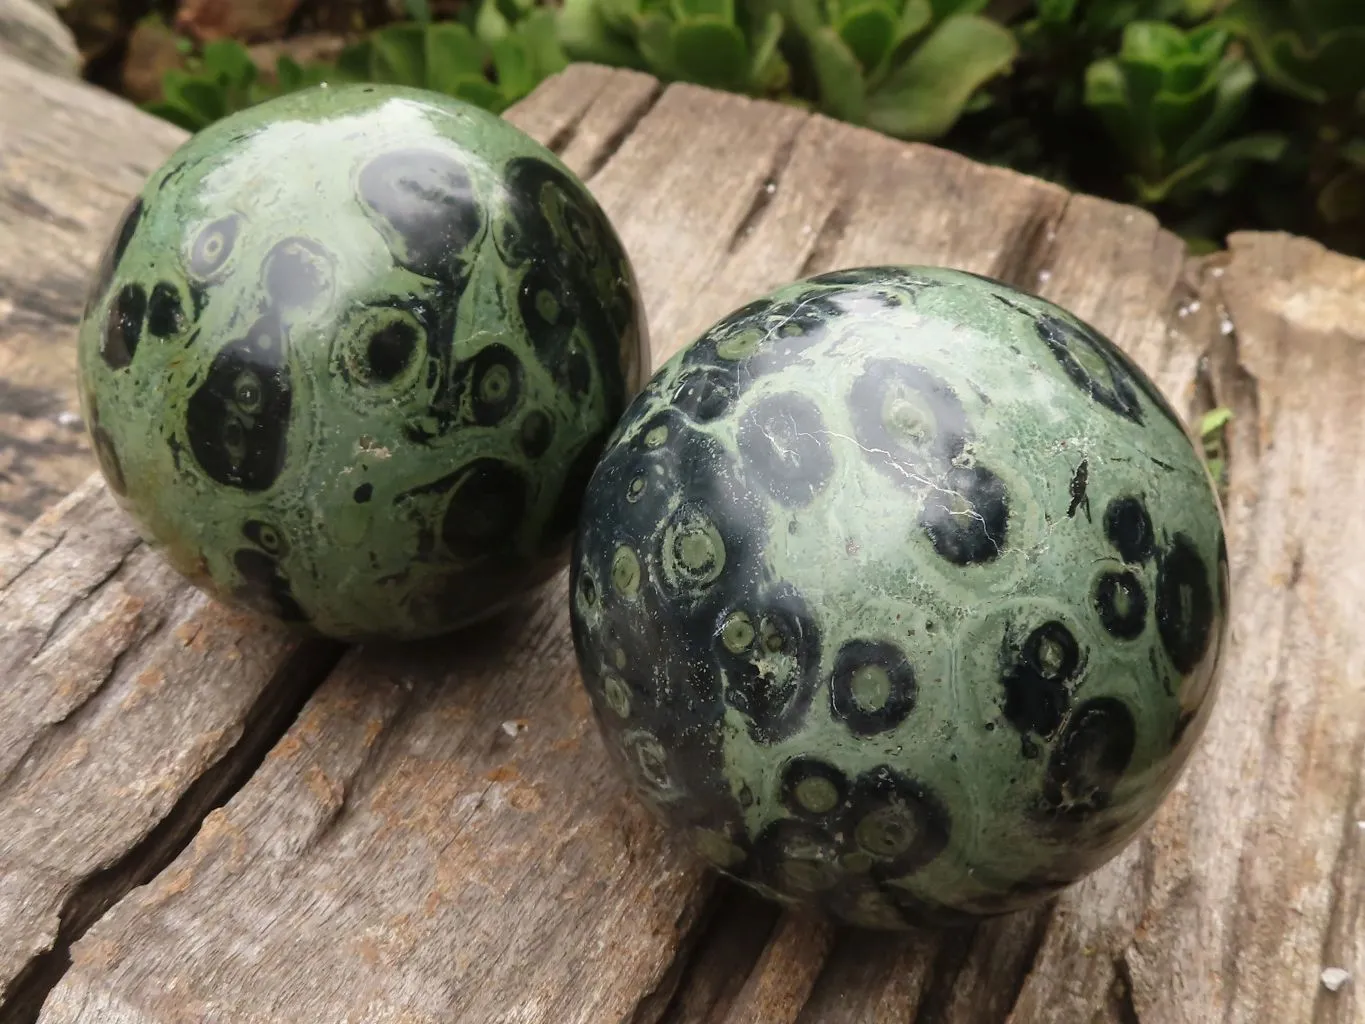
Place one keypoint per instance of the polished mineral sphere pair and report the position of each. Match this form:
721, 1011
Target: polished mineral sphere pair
900, 594
352, 355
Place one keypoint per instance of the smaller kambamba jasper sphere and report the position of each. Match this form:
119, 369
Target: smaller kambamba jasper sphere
352, 355
900, 594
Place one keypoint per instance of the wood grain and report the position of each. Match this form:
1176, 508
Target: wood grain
32, 33
70, 159
438, 838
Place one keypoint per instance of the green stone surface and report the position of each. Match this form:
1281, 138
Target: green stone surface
351, 357
927, 587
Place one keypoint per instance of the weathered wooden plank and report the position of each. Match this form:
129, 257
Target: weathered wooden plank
70, 158
132, 705
31, 32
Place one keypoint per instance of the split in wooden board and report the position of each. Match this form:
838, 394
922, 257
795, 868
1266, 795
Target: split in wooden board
437, 835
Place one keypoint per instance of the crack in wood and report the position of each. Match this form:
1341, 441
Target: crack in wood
1024, 257
763, 196
828, 236
613, 142
279, 704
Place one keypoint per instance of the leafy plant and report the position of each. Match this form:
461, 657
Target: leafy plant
1169, 99
221, 81
708, 42
447, 57
908, 68
1212, 433
1313, 49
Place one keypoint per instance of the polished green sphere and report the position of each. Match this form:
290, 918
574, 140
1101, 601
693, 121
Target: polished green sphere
351, 356
899, 593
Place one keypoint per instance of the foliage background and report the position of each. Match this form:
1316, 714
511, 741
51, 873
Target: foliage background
1217, 115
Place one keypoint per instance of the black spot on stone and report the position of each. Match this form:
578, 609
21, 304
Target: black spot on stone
536, 433
898, 821
704, 394
813, 789
265, 587
237, 420
298, 271
565, 516
107, 457
266, 537
495, 380
486, 509
1122, 604
165, 311
1078, 495
427, 202
114, 252
1077, 351
578, 372
872, 688
771, 681
549, 312
1089, 759
967, 516
199, 298
1185, 611
1129, 529
784, 445
390, 350
364, 493
1037, 695
908, 422
123, 328
796, 857
213, 245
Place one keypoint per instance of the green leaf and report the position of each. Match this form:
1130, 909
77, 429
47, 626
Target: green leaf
867, 30
1353, 152
289, 74
398, 55
490, 24
1213, 421
1215, 172
354, 62
586, 36
418, 11
177, 115
537, 32
768, 70
197, 95
1056, 12
480, 92
923, 97
839, 77
711, 52
656, 46
1343, 198
451, 54
516, 75
228, 61
721, 10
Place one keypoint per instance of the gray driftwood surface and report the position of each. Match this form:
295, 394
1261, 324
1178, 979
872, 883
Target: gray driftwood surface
216, 823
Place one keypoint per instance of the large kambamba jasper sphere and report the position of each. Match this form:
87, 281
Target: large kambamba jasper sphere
899, 594
352, 355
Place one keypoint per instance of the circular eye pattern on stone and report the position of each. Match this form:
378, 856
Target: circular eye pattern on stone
383, 348
213, 245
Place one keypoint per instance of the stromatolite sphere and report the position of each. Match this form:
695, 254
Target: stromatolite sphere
352, 355
900, 593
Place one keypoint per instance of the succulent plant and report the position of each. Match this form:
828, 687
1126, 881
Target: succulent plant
1170, 99
908, 68
708, 42
1309, 48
